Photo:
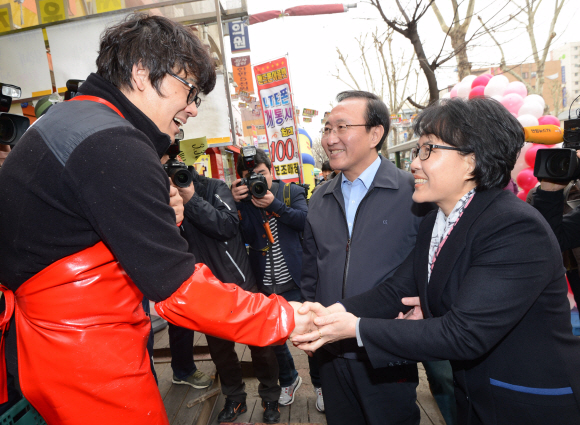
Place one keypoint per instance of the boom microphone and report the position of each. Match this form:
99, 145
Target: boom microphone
544, 134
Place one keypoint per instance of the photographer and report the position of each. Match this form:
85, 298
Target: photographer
211, 228
277, 260
549, 201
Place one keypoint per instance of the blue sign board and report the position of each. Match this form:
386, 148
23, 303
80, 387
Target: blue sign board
239, 37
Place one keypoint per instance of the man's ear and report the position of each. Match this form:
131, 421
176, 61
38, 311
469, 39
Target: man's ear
139, 77
376, 135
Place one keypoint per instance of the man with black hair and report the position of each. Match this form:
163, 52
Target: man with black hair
211, 228
276, 264
361, 225
86, 230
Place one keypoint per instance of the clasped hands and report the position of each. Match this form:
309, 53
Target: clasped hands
316, 325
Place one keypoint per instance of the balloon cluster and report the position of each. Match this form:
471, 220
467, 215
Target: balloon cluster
528, 109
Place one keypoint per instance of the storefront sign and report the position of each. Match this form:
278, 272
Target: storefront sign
306, 119
239, 38
242, 70
273, 87
5, 18
309, 112
51, 11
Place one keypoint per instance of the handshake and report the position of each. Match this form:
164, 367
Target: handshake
316, 325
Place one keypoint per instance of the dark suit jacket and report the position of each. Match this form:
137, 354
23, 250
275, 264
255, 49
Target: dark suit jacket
496, 306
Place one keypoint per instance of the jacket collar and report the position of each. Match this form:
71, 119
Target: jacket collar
451, 251
95, 85
386, 177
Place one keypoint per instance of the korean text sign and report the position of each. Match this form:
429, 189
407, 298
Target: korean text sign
239, 38
242, 70
273, 86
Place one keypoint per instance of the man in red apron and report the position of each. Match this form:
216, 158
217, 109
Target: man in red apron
86, 230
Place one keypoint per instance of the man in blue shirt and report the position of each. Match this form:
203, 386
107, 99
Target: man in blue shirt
359, 229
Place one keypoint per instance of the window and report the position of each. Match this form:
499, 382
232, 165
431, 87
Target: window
575, 74
575, 83
524, 75
533, 75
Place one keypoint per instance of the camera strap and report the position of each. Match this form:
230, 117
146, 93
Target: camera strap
98, 100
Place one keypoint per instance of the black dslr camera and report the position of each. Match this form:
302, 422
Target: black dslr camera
561, 164
176, 170
257, 184
12, 127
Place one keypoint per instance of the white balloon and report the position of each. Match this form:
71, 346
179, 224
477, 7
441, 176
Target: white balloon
446, 96
469, 79
463, 89
497, 97
528, 120
535, 98
531, 108
496, 86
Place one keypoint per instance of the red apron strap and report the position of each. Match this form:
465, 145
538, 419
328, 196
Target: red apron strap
4, 325
98, 100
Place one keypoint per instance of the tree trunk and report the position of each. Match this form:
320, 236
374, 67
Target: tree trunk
459, 45
413, 36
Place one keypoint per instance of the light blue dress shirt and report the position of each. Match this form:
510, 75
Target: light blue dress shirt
354, 192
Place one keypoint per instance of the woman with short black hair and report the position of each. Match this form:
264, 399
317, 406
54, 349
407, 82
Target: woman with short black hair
485, 276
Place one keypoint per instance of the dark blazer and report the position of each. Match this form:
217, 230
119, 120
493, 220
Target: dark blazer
290, 223
496, 306
336, 265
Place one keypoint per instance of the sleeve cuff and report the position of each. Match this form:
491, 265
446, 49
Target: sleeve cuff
358, 338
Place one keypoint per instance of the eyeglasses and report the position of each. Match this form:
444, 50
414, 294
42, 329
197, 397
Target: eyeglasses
425, 151
192, 96
339, 129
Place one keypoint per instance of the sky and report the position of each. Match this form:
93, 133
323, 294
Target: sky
310, 43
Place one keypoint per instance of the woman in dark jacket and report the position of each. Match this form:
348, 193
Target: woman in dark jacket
487, 272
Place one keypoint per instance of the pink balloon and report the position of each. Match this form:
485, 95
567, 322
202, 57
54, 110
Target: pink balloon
513, 102
549, 119
530, 155
516, 87
482, 80
523, 194
453, 92
521, 161
526, 179
476, 92
488, 76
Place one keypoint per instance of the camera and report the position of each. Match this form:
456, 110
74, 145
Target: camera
561, 164
12, 127
256, 183
177, 170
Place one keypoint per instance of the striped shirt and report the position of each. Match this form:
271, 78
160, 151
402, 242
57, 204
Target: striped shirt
281, 273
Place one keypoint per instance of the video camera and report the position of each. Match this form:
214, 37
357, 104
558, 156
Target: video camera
12, 127
177, 170
256, 183
561, 164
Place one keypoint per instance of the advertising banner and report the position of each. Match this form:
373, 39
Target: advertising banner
273, 86
242, 70
239, 38
306, 119
309, 112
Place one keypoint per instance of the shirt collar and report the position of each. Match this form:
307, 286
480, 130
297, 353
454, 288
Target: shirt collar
368, 175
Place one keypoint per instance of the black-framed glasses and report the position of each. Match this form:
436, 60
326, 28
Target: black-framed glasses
423, 152
192, 96
339, 129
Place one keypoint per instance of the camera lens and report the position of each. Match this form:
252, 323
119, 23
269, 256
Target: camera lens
6, 131
558, 164
180, 177
259, 189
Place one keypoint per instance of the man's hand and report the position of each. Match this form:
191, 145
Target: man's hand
263, 202
176, 202
4, 151
186, 193
303, 322
332, 327
416, 313
239, 192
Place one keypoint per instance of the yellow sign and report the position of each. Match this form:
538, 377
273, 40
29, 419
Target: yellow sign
5, 18
51, 11
202, 166
192, 149
108, 5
